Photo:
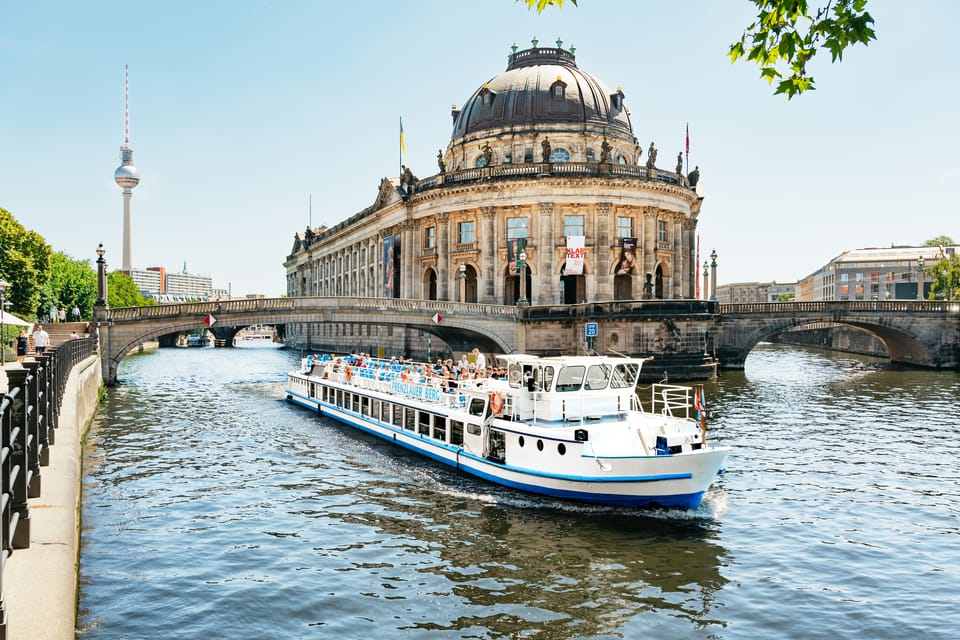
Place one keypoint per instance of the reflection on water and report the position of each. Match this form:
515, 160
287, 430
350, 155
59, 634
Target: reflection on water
212, 508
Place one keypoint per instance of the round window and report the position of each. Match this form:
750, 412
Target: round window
481, 162
561, 448
559, 155
521, 441
539, 445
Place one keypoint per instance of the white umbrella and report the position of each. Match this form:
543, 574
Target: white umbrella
11, 319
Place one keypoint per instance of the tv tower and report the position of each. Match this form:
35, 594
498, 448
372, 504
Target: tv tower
126, 175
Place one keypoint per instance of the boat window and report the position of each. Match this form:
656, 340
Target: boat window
597, 377
375, 408
548, 374
456, 433
473, 429
397, 415
339, 398
440, 428
477, 405
424, 424
624, 375
356, 402
515, 375
411, 418
570, 378
365, 405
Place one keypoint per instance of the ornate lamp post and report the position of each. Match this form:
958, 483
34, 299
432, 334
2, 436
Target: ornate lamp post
706, 274
713, 274
920, 263
522, 270
101, 277
3, 333
463, 282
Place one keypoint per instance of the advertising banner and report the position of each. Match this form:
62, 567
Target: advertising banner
575, 253
628, 256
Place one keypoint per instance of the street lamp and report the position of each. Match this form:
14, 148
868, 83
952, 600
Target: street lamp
101, 277
463, 282
920, 263
713, 275
522, 269
706, 274
3, 329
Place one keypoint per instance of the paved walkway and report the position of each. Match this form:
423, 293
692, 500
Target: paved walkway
40, 583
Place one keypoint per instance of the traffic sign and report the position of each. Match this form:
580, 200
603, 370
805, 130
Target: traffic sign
593, 329
209, 320
437, 318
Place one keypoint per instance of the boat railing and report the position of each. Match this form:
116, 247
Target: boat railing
671, 400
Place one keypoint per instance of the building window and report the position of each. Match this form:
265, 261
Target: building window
624, 227
621, 159
573, 225
844, 277
517, 228
528, 155
859, 277
467, 232
481, 162
559, 155
558, 89
430, 238
661, 230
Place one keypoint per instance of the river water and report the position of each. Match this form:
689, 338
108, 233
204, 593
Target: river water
214, 509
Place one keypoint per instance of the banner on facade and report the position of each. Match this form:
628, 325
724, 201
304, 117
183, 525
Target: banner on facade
628, 256
389, 249
515, 255
575, 253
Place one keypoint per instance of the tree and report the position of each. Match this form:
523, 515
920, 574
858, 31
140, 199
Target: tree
786, 36
24, 263
72, 282
940, 241
945, 278
122, 291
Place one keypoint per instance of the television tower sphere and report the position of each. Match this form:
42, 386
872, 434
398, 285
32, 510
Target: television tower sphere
126, 175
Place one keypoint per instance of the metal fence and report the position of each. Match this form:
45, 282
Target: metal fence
29, 412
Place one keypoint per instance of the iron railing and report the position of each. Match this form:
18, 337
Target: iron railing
29, 413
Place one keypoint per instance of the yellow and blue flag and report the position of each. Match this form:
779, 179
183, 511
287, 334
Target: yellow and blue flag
403, 146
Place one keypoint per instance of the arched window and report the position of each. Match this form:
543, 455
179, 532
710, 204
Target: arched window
481, 161
559, 155
558, 89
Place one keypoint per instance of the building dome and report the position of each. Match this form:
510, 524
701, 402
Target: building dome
543, 86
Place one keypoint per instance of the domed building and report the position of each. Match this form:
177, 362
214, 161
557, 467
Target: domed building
542, 196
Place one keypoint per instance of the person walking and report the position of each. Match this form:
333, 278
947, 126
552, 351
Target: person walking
63, 315
75, 312
22, 346
40, 340
53, 314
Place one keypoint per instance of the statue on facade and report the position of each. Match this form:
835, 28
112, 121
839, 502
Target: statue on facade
605, 151
546, 149
651, 156
407, 179
487, 151
648, 288
694, 177
680, 164
443, 167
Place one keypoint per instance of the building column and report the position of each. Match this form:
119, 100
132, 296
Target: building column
602, 250
649, 245
407, 258
546, 286
488, 254
443, 256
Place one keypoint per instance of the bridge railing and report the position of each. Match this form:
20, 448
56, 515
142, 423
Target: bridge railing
619, 308
845, 306
168, 311
29, 414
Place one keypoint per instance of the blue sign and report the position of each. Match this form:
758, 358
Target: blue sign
593, 329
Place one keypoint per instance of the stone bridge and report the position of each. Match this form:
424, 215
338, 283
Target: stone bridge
684, 335
921, 333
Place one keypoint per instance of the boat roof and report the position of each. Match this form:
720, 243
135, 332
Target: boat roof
566, 361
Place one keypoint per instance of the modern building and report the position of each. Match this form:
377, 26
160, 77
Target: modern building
544, 195
884, 273
164, 286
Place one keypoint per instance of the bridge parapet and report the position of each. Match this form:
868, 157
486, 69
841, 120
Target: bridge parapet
843, 306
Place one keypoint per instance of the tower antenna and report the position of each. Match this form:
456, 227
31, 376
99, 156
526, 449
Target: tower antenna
126, 176
126, 104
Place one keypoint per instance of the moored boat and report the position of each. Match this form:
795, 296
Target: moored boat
257, 337
569, 427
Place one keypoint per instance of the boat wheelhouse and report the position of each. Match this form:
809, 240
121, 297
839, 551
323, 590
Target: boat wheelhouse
569, 427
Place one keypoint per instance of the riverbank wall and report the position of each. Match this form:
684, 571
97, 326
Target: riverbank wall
40, 582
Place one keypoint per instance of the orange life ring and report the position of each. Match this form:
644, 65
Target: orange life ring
496, 402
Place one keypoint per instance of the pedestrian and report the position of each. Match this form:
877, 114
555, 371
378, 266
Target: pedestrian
40, 340
53, 314
75, 312
479, 359
63, 314
73, 334
22, 346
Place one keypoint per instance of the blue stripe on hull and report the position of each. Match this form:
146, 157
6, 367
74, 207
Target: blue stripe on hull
682, 501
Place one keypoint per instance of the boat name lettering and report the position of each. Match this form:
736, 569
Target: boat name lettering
416, 391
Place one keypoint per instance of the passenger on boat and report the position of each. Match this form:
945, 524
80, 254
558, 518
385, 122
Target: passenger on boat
479, 359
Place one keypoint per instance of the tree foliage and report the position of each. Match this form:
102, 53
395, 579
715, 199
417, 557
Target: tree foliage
122, 291
940, 241
945, 278
25, 264
786, 36
72, 282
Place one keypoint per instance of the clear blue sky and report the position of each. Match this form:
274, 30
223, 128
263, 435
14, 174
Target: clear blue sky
241, 110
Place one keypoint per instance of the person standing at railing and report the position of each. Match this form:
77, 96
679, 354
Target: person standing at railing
22, 346
41, 339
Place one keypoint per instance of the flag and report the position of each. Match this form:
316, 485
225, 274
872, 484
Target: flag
403, 146
688, 144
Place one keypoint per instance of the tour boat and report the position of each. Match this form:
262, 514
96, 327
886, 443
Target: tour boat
568, 427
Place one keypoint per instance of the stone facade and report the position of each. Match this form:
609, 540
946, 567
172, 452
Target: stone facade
540, 154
